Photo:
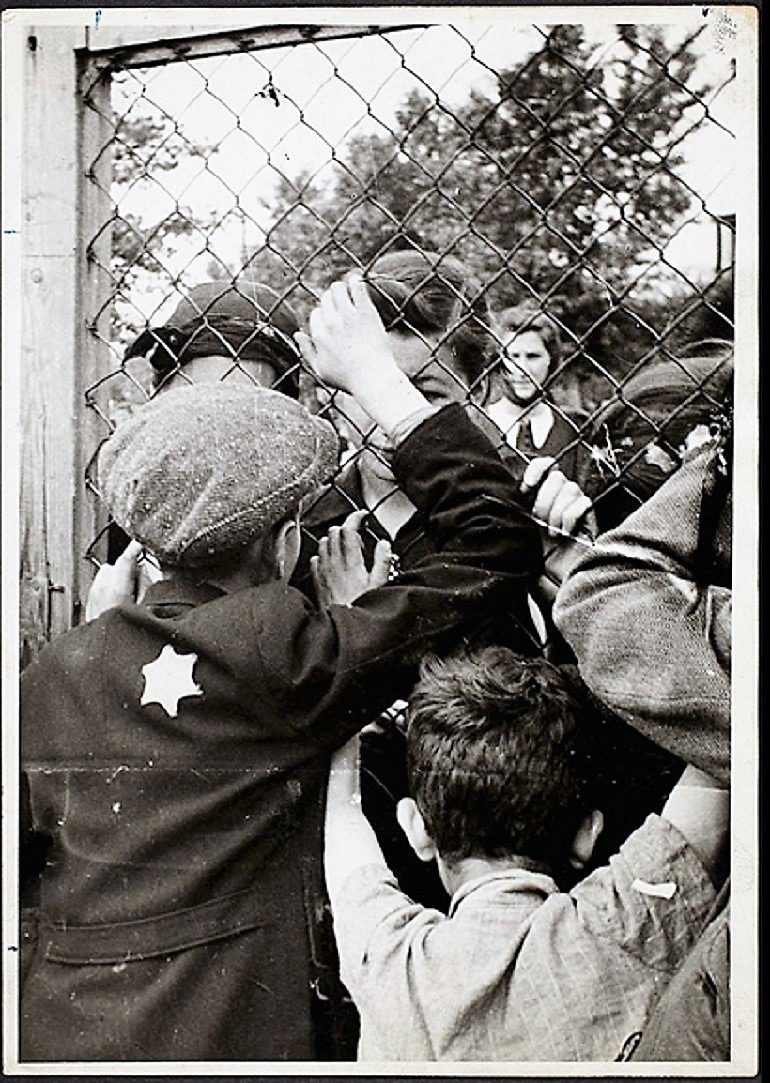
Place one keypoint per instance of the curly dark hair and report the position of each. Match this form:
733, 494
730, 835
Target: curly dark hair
494, 756
423, 293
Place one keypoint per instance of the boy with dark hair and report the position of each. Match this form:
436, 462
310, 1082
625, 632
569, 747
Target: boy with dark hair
482, 784
518, 970
237, 331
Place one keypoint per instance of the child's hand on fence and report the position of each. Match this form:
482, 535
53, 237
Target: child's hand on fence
560, 505
339, 570
115, 584
347, 339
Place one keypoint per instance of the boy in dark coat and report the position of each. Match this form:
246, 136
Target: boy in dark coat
176, 750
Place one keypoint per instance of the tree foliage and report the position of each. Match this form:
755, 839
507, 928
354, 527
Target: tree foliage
144, 148
559, 186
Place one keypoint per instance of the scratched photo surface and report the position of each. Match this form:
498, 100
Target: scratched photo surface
380, 385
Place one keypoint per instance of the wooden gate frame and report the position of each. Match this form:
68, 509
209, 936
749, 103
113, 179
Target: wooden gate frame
64, 256
58, 357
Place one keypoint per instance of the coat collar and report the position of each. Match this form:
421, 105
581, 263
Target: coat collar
180, 591
525, 877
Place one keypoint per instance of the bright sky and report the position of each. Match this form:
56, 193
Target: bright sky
335, 89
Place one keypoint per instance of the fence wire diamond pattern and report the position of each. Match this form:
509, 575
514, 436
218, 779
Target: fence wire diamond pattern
560, 176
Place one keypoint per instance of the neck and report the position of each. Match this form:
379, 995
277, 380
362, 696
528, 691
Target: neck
389, 503
471, 868
516, 407
229, 583
243, 579
255, 564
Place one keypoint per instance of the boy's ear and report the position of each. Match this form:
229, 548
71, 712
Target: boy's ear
286, 548
413, 826
585, 839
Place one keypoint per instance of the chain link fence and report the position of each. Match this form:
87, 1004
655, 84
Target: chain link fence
579, 180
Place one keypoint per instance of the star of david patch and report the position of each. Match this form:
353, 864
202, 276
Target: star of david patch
168, 679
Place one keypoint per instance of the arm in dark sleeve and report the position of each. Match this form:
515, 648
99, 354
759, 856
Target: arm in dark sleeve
651, 641
330, 672
452, 473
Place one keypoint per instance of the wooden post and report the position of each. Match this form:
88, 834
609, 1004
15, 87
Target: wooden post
56, 361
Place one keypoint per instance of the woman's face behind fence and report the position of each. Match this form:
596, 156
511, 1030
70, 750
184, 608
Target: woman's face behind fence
526, 362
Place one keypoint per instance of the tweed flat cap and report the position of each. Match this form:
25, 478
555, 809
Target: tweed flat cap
201, 471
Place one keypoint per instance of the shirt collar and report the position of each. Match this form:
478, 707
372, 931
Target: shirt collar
539, 418
527, 876
540, 423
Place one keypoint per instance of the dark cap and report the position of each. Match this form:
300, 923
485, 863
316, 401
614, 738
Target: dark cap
244, 320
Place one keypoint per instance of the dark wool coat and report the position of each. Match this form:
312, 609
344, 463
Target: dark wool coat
176, 753
383, 750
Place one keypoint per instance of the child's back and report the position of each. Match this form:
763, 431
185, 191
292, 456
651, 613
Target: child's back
518, 970
176, 751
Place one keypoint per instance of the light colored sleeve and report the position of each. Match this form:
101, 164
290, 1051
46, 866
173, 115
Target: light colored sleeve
652, 642
652, 898
377, 927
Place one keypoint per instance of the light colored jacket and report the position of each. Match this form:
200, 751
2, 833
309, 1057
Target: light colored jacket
650, 631
518, 970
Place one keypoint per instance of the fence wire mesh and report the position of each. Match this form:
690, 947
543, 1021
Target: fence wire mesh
568, 187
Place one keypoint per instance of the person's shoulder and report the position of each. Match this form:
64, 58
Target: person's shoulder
71, 651
655, 839
655, 864
650, 901
276, 603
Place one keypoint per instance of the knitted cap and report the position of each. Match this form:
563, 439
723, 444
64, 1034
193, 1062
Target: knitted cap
201, 471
